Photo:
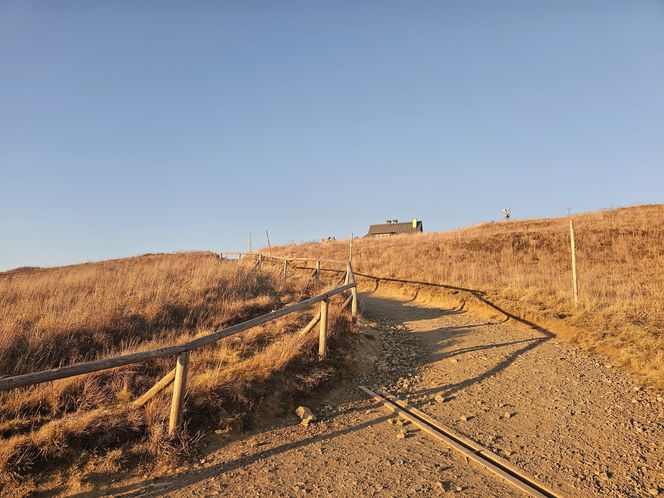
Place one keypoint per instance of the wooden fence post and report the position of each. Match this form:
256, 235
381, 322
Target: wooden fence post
322, 337
353, 292
574, 280
267, 236
260, 261
317, 271
353, 305
285, 266
179, 388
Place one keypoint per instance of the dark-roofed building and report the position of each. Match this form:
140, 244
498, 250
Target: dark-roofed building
393, 227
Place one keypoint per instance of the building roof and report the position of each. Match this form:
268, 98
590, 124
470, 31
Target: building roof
395, 228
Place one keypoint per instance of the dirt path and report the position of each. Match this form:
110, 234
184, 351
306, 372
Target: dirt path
561, 415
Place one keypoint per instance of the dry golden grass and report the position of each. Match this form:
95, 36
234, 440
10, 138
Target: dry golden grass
526, 264
59, 316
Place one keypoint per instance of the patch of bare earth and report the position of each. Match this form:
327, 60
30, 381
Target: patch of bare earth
562, 415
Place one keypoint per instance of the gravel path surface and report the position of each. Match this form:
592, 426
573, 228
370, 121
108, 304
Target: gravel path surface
563, 416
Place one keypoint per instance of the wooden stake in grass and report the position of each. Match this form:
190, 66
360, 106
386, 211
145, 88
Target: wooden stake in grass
267, 236
350, 278
573, 246
322, 338
179, 388
353, 306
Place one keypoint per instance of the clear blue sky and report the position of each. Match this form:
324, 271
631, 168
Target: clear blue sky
129, 127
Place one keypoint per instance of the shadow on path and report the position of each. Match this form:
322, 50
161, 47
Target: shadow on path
183, 479
451, 389
442, 340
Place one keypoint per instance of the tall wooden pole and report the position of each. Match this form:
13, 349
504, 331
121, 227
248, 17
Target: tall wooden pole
575, 283
267, 236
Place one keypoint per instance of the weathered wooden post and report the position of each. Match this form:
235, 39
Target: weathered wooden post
269, 246
353, 305
179, 388
285, 266
322, 337
574, 280
353, 292
317, 271
260, 261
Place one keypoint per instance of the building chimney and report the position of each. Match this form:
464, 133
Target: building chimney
414, 222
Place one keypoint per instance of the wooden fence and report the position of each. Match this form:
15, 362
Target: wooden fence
178, 376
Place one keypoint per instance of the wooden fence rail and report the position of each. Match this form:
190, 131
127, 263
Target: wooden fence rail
178, 376
279, 258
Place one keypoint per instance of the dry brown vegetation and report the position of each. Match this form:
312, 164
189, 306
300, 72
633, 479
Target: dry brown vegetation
60, 316
525, 265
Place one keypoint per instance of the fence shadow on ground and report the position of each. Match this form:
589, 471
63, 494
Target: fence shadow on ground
446, 338
182, 479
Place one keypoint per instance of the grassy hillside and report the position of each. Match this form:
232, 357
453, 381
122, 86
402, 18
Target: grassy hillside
526, 264
59, 316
